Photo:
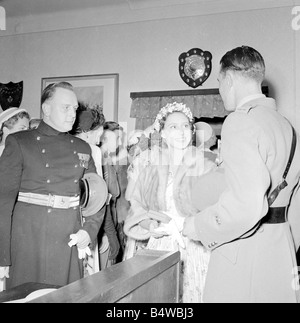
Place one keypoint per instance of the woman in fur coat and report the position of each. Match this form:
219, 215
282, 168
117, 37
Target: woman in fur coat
161, 198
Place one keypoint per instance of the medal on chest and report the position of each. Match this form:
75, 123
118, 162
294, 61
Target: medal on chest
84, 160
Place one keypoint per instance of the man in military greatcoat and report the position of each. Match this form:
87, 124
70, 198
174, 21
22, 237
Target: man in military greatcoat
252, 230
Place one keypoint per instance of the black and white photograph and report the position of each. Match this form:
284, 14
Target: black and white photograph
150, 154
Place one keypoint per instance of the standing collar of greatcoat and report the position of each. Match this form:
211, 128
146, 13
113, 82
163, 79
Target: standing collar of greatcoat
45, 129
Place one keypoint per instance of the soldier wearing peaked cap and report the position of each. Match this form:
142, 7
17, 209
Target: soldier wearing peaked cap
40, 174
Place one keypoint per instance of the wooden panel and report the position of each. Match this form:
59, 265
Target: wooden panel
22, 291
150, 277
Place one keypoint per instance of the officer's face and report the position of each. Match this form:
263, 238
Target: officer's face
226, 90
60, 110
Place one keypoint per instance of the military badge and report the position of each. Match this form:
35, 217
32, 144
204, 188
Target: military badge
84, 160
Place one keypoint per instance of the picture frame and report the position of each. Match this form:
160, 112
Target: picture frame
98, 89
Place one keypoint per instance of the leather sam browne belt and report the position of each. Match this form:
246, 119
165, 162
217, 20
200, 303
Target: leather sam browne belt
54, 201
275, 215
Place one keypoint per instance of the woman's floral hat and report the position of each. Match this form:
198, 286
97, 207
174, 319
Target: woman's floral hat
170, 108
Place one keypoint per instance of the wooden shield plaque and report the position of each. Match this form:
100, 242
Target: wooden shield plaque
195, 66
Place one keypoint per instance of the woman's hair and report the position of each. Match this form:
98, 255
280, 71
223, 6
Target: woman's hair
12, 121
170, 108
34, 123
112, 126
49, 91
245, 60
87, 118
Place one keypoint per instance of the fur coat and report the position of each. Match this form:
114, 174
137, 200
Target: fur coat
149, 193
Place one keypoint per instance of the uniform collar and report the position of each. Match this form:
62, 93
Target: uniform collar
252, 101
45, 129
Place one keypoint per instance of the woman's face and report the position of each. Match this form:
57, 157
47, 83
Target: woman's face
21, 124
177, 130
109, 141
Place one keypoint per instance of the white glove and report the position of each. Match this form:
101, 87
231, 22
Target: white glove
82, 252
81, 239
4, 272
170, 229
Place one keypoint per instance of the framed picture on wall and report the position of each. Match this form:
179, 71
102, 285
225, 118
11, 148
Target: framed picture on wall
100, 89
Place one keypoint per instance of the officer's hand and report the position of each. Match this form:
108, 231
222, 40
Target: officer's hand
83, 239
4, 272
82, 253
114, 246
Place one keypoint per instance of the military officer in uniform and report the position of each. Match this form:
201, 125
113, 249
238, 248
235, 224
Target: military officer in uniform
40, 173
249, 230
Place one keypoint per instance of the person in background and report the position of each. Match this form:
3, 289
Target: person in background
206, 138
115, 173
158, 200
88, 126
120, 164
34, 123
249, 229
142, 148
40, 174
12, 120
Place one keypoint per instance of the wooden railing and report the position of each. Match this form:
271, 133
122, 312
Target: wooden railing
149, 277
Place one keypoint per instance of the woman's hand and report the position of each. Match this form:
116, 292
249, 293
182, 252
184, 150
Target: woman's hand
153, 226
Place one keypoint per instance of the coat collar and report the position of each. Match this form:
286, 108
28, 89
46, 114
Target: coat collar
252, 102
45, 129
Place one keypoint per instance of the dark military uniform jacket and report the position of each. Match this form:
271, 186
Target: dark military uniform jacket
33, 238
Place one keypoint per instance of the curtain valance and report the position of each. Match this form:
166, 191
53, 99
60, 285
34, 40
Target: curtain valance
203, 103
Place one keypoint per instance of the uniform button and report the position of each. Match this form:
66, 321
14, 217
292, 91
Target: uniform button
47, 165
48, 181
43, 151
49, 210
75, 152
72, 141
76, 181
75, 207
38, 138
76, 166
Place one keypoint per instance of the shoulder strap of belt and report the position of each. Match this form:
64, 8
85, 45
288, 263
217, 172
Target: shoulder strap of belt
281, 186
272, 197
